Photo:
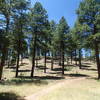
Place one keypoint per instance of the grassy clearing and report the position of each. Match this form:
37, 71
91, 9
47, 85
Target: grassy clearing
88, 89
24, 85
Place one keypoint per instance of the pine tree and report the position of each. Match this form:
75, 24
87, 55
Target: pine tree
39, 20
87, 14
53, 48
20, 21
62, 31
5, 10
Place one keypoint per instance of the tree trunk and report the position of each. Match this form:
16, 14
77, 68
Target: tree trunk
97, 58
75, 57
80, 57
2, 62
60, 59
33, 58
71, 56
45, 58
52, 62
17, 65
7, 24
63, 59
8, 58
8, 62
63, 64
97, 53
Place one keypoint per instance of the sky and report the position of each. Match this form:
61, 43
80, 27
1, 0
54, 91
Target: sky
58, 8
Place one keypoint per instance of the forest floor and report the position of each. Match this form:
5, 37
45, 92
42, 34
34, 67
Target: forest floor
76, 84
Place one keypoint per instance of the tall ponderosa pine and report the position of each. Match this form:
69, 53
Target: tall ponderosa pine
5, 10
39, 19
78, 36
62, 31
53, 48
4, 41
20, 21
87, 14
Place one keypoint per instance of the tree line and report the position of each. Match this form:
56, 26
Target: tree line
26, 31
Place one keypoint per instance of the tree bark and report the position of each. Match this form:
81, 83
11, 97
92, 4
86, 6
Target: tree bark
2, 62
75, 57
8, 62
63, 59
97, 52
71, 56
60, 59
17, 65
4, 51
80, 57
33, 56
52, 62
45, 58
97, 58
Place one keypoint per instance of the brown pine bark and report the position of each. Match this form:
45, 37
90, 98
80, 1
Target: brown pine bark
2, 62
96, 47
97, 58
4, 52
33, 56
17, 65
63, 59
52, 62
71, 56
75, 57
45, 58
80, 59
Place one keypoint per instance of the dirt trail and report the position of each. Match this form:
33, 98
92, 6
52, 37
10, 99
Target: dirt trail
45, 91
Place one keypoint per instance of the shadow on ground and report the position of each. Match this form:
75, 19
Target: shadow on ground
91, 69
67, 68
41, 67
10, 96
24, 80
11, 67
49, 77
76, 75
36, 80
83, 65
25, 70
86, 65
55, 72
23, 64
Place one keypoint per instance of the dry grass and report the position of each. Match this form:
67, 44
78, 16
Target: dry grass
80, 90
24, 85
88, 89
